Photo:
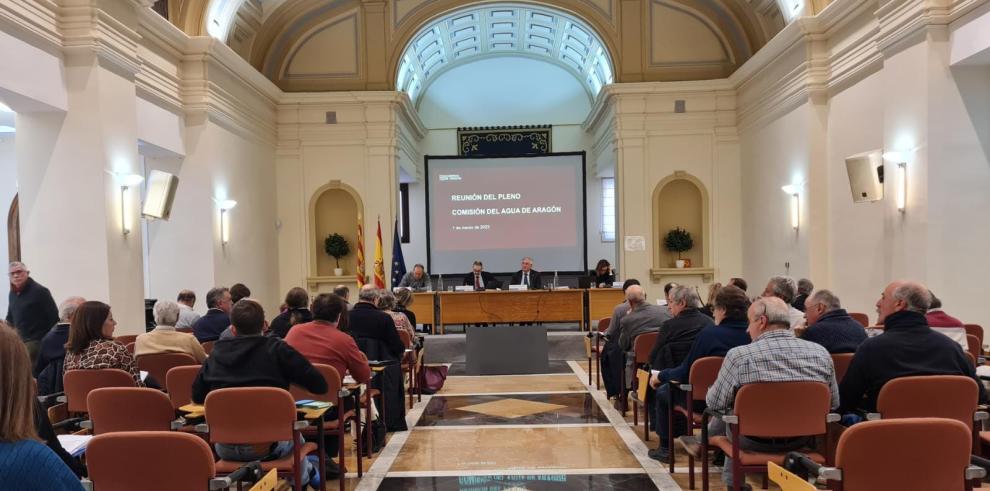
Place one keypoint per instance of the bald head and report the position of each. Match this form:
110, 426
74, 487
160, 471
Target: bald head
635, 295
903, 295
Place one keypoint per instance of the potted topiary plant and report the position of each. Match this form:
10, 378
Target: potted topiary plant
678, 240
337, 247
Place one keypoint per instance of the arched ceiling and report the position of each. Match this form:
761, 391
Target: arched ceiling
506, 29
321, 45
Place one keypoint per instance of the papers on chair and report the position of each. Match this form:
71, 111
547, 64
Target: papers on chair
643, 382
144, 375
311, 404
74, 444
518, 287
348, 379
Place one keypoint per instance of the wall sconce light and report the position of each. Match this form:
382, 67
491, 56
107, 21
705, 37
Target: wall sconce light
900, 178
794, 191
225, 206
126, 181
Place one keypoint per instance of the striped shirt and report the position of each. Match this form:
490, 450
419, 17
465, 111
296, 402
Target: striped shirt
776, 356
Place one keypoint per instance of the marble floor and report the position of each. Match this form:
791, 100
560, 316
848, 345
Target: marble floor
522, 432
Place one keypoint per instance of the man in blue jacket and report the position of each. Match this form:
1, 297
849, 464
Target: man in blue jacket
217, 318
830, 325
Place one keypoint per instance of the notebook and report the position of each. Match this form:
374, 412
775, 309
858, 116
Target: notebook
75, 445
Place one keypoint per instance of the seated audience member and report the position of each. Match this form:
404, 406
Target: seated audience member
91, 345
527, 275
320, 341
804, 288
738, 283
907, 347
417, 280
620, 310
479, 278
775, 355
945, 323
297, 312
830, 326
709, 307
368, 323
239, 291
187, 316
217, 318
603, 274
678, 333
785, 289
403, 299
343, 292
386, 303
26, 464
164, 338
250, 359
663, 302
729, 331
51, 354
640, 318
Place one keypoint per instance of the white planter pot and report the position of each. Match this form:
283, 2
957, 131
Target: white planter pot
338, 271
680, 264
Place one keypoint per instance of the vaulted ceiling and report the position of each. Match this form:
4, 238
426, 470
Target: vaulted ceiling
320, 45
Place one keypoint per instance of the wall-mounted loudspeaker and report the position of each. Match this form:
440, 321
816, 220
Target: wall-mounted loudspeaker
160, 194
865, 172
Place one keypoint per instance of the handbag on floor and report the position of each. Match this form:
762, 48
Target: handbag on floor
433, 378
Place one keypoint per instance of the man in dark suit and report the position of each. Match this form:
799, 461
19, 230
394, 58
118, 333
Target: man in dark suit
217, 318
481, 280
367, 323
528, 276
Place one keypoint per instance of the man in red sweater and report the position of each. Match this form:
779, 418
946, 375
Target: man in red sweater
320, 341
945, 323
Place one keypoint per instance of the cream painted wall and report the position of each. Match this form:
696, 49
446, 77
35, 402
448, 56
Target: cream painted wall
8, 188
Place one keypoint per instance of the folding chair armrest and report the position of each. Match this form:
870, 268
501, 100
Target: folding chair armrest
730, 419
873, 416
801, 465
975, 472
981, 416
86, 424
250, 472
66, 423
177, 424
87, 484
61, 398
300, 425
202, 428
833, 418
49, 400
978, 462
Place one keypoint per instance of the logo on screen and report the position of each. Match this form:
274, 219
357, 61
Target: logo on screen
450, 177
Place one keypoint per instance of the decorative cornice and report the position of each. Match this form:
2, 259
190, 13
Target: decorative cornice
35, 19
88, 30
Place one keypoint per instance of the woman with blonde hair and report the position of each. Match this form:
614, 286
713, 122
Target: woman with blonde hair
709, 308
26, 464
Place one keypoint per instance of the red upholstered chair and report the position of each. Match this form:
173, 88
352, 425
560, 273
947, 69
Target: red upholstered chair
912, 454
974, 330
157, 365
757, 412
126, 339
596, 353
257, 415
208, 347
702, 376
409, 366
974, 346
861, 318
178, 384
113, 409
642, 346
931, 396
154, 461
841, 363
332, 395
79, 383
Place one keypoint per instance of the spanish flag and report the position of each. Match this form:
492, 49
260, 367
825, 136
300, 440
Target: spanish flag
360, 254
379, 261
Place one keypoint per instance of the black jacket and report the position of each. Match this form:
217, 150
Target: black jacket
490, 283
535, 279
255, 361
32, 311
798, 302
48, 368
907, 347
837, 332
605, 279
209, 327
281, 324
365, 321
676, 337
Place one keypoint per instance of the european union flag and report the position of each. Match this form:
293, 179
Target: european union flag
398, 262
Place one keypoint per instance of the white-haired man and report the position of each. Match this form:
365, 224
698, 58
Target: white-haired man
30, 308
907, 347
785, 289
164, 338
775, 355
